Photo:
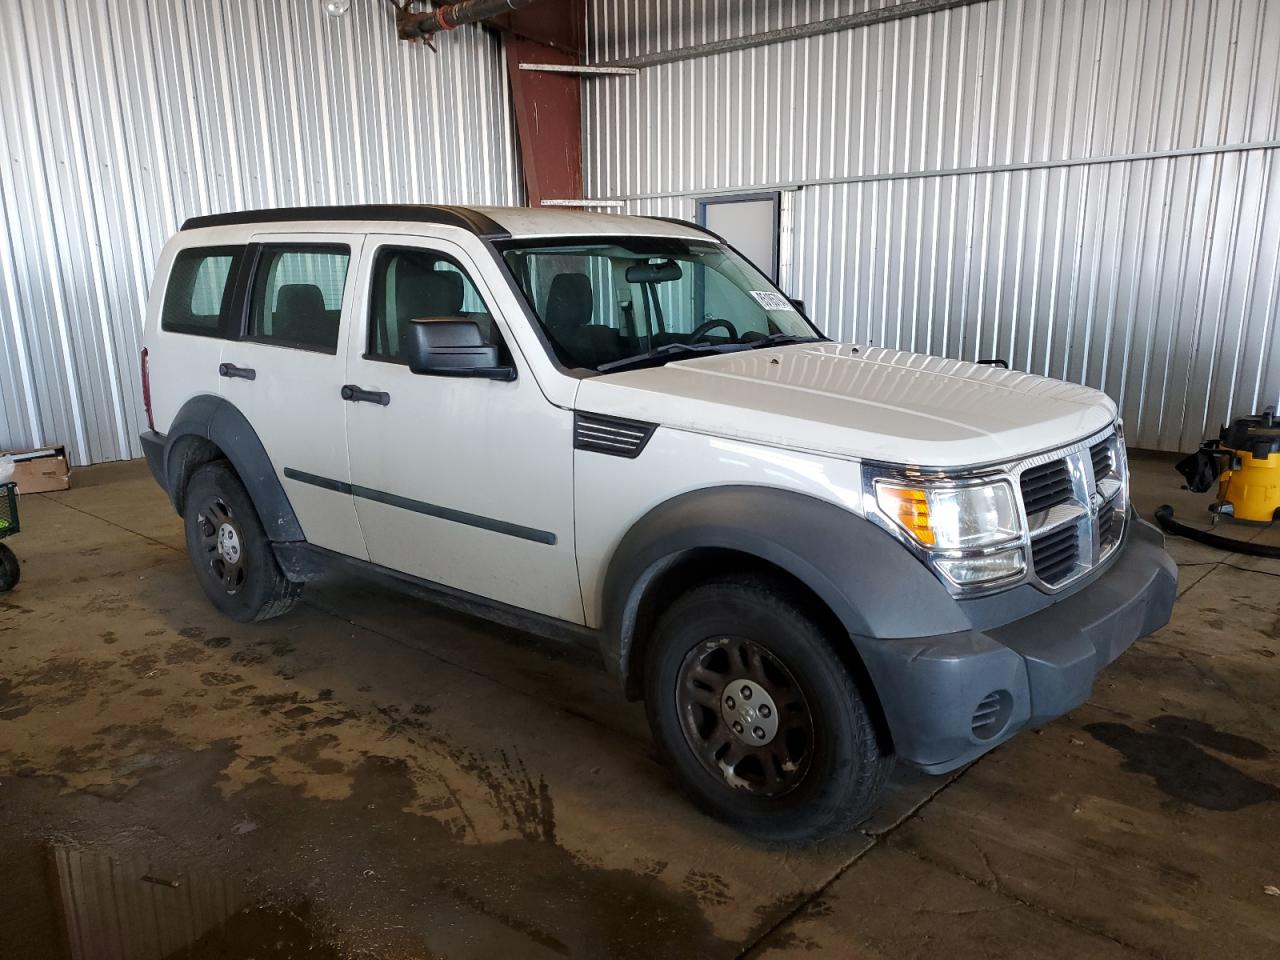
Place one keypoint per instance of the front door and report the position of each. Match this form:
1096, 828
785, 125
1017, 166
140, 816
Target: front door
286, 375
464, 482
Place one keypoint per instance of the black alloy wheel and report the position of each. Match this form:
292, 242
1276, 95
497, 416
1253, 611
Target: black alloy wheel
745, 717
232, 556
756, 711
223, 544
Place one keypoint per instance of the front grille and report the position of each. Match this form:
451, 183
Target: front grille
1046, 486
1054, 554
1108, 525
1100, 453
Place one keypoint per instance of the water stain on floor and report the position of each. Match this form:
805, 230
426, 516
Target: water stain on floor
1174, 756
177, 875
66, 902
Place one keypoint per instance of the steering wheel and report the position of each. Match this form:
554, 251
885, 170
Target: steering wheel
708, 325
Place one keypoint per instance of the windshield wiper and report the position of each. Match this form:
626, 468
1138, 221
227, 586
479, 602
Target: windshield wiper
781, 339
669, 352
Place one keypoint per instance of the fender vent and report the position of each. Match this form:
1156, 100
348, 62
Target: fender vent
612, 435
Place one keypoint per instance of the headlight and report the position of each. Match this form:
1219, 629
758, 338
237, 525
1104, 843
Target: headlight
942, 517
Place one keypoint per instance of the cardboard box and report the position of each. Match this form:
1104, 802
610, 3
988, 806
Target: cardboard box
39, 471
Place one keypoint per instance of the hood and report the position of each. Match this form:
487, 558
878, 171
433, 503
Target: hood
864, 402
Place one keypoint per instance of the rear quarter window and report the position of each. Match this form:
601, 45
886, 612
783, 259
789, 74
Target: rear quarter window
197, 299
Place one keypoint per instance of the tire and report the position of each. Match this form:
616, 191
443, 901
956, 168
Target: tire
726, 642
229, 550
10, 571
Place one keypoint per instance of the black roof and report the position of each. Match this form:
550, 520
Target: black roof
451, 216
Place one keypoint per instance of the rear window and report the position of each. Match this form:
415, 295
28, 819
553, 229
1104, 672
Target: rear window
198, 297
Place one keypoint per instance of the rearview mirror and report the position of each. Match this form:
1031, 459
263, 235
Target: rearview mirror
664, 272
451, 347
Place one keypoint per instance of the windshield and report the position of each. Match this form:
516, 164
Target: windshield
609, 303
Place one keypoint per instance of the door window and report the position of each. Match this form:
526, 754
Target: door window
198, 297
415, 284
297, 296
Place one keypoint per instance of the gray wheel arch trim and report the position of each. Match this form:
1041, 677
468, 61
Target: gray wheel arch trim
873, 586
218, 420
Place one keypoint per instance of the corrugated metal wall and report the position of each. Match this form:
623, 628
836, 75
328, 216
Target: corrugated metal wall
1087, 188
117, 125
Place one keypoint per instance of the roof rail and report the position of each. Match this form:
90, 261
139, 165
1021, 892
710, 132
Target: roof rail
450, 216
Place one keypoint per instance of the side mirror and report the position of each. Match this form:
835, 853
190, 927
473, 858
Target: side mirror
451, 347
799, 305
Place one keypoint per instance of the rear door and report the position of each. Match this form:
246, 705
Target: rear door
285, 374
189, 324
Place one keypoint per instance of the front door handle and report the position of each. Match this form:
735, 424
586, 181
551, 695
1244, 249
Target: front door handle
356, 395
232, 372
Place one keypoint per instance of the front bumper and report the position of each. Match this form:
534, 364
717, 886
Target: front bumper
1024, 673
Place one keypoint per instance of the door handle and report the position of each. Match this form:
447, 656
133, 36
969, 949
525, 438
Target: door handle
232, 372
356, 395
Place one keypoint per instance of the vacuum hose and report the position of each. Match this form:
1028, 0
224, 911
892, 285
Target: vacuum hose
1164, 517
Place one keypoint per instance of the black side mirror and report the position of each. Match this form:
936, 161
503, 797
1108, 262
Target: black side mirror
451, 347
799, 305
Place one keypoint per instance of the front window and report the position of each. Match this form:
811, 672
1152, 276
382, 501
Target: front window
412, 283
612, 303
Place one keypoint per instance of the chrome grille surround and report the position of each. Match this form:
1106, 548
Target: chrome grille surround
1090, 497
1089, 501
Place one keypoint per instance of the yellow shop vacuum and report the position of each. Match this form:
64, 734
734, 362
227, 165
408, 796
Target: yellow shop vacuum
1244, 461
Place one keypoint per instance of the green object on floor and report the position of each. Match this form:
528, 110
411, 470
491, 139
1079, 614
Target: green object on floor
8, 509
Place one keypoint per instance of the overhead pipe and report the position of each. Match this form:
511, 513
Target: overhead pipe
815, 28
419, 26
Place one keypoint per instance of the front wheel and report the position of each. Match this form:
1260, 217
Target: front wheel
229, 550
765, 725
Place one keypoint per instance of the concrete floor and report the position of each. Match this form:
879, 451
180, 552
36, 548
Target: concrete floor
373, 776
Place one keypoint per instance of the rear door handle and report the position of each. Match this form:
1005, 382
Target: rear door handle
232, 372
356, 395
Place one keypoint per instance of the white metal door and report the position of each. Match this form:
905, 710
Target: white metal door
460, 481
286, 376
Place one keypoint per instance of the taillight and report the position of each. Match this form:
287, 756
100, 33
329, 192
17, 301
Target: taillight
146, 392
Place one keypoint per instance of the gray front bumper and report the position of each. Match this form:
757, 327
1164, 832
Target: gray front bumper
1038, 667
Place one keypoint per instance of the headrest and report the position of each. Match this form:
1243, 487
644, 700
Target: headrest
299, 300
422, 291
569, 301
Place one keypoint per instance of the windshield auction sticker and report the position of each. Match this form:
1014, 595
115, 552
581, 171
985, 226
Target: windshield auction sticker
772, 301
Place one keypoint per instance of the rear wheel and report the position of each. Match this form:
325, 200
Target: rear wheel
10, 571
230, 551
765, 725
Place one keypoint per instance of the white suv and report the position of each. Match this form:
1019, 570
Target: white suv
808, 557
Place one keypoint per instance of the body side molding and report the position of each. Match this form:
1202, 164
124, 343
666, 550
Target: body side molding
420, 506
